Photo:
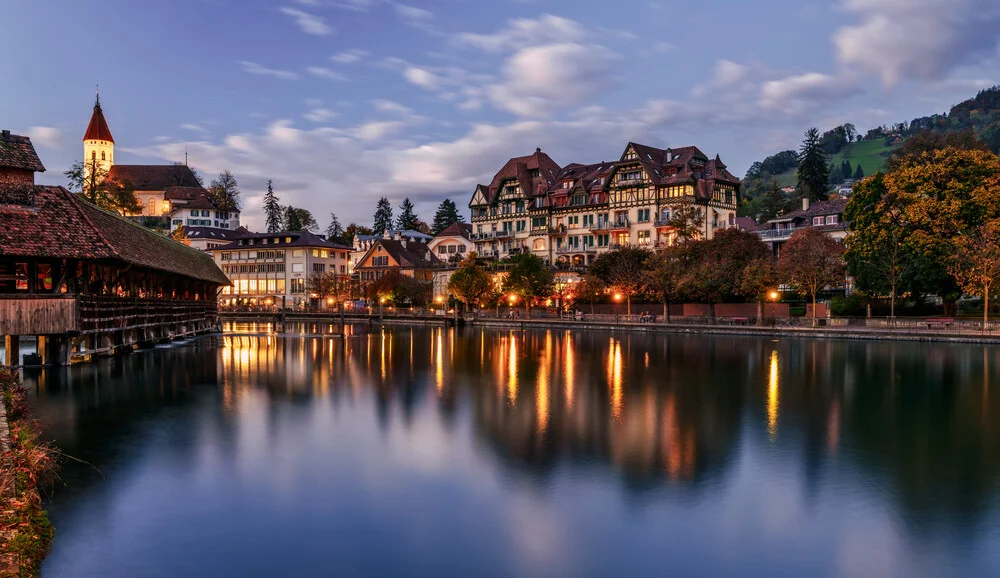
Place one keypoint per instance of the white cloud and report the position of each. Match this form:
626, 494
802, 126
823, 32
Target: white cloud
45, 136
194, 128
390, 106
664, 47
349, 56
308, 23
254, 68
413, 13
320, 115
526, 32
540, 80
801, 92
355, 5
422, 78
924, 39
322, 72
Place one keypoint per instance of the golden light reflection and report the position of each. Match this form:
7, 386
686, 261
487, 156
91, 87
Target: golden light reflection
512, 371
615, 378
439, 362
542, 390
568, 364
772, 397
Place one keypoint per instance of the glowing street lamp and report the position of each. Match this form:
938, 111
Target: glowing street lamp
513, 299
618, 297
773, 295
439, 299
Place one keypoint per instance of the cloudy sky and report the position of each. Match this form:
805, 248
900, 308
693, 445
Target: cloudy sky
342, 101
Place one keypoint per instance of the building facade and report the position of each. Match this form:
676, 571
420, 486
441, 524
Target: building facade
828, 216
453, 244
568, 215
273, 269
364, 242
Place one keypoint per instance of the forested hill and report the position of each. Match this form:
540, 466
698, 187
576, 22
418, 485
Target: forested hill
853, 154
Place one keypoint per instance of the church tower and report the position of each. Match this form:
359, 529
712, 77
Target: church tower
98, 144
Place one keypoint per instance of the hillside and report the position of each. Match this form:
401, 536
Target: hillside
871, 154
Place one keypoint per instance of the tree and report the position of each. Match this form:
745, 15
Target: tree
119, 196
775, 202
328, 285
383, 217
859, 173
876, 251
813, 173
686, 222
590, 289
529, 278
100, 189
976, 265
470, 283
810, 261
273, 213
334, 231
664, 271
929, 142
446, 216
297, 219
180, 235
623, 270
717, 266
224, 192
407, 220
355, 229
757, 280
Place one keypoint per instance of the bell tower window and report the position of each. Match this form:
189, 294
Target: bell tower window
102, 156
93, 155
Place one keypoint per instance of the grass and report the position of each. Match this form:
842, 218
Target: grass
870, 154
25, 531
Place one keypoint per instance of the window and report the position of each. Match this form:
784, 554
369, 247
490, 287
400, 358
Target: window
93, 155
298, 253
281, 286
103, 158
831, 220
442, 250
644, 237
270, 285
817, 221
319, 268
324, 254
643, 216
298, 267
288, 239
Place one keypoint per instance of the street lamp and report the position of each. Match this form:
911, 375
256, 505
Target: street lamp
774, 296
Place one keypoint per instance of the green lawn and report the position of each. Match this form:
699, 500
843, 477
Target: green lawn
870, 154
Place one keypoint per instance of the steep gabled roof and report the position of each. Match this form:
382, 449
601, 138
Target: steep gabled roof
519, 169
17, 152
98, 127
57, 224
456, 230
215, 233
407, 254
178, 193
154, 177
298, 239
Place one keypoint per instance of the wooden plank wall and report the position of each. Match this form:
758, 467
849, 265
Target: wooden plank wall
37, 315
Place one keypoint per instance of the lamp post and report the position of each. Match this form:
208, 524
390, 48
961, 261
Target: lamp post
774, 299
618, 300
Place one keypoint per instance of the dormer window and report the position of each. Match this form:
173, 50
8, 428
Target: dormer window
535, 174
566, 184
831, 220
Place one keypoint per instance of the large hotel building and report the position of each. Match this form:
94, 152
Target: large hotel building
567, 215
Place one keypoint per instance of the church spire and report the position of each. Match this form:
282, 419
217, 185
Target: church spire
98, 127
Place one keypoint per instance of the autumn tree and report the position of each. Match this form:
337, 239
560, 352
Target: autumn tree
623, 270
529, 278
470, 283
274, 216
590, 289
224, 192
810, 261
716, 266
686, 222
928, 142
383, 217
180, 235
119, 196
664, 271
757, 280
97, 187
355, 229
976, 263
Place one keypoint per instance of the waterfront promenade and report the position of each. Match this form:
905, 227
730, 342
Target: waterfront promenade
900, 329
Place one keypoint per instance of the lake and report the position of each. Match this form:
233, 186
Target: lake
485, 452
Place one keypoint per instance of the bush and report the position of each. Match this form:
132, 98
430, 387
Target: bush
853, 305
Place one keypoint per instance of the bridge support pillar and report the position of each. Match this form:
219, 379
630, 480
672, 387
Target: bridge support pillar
11, 350
54, 349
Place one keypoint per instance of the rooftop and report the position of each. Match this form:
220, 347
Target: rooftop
280, 239
17, 152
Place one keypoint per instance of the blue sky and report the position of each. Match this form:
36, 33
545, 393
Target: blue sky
342, 101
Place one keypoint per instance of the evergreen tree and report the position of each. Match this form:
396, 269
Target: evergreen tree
446, 216
846, 170
273, 213
407, 219
297, 219
383, 217
813, 173
775, 202
859, 173
334, 232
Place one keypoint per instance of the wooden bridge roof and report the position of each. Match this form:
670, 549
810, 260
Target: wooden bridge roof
44, 221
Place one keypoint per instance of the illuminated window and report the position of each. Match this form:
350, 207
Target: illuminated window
102, 156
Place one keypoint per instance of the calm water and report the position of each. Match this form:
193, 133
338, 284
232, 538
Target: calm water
427, 452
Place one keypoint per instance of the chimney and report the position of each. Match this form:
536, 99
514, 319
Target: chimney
402, 242
805, 203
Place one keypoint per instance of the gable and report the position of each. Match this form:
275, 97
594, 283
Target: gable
374, 251
478, 199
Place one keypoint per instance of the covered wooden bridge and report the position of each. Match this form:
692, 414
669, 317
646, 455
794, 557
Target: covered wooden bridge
86, 281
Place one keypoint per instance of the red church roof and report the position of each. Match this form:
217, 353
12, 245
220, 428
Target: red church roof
98, 127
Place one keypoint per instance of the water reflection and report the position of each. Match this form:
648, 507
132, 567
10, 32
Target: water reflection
899, 435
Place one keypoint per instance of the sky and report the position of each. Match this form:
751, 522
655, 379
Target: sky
342, 101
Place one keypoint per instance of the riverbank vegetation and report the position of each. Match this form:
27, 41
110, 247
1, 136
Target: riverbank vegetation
27, 464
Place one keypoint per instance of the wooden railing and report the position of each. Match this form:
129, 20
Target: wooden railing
102, 313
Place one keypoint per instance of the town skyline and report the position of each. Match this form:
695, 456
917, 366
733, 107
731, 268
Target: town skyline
341, 103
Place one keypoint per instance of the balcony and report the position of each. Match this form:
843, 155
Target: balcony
776, 234
602, 225
663, 222
557, 231
619, 224
503, 234
566, 250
